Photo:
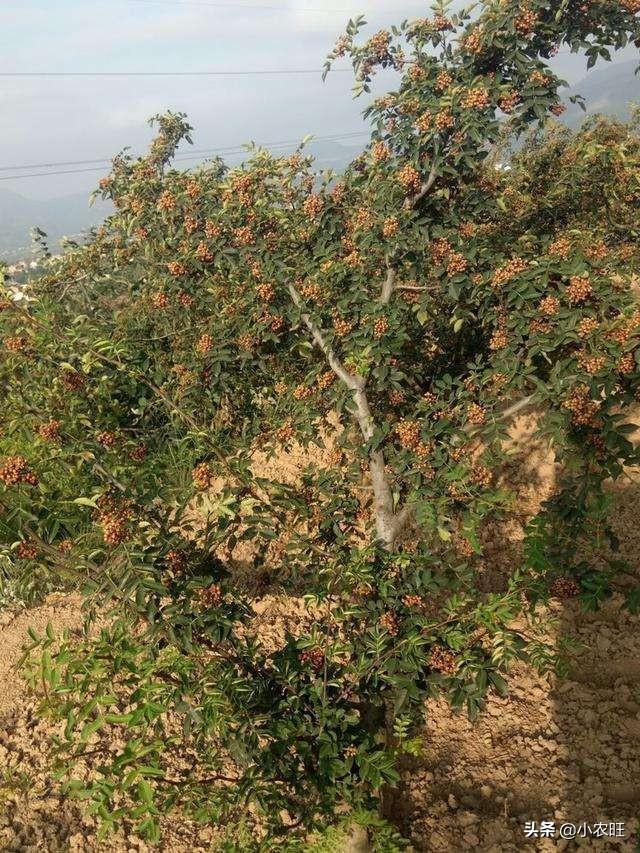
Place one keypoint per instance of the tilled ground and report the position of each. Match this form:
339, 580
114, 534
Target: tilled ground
561, 751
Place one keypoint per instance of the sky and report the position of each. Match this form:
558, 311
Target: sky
54, 119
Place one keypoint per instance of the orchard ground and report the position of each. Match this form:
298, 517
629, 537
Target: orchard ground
559, 750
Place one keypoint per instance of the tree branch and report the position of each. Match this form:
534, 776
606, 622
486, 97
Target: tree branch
507, 413
389, 286
353, 383
412, 201
386, 521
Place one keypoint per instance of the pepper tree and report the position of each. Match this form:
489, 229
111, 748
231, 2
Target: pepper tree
424, 297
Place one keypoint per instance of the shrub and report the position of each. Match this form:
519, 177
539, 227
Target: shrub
425, 297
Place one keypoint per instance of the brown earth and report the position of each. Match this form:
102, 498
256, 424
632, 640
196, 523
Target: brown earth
557, 750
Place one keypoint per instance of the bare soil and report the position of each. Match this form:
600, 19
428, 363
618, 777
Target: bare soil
556, 750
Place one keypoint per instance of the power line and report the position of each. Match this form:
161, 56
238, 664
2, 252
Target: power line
228, 150
241, 6
237, 150
240, 73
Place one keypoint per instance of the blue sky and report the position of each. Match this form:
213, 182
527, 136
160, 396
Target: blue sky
56, 119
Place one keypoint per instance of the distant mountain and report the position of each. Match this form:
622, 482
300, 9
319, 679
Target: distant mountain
57, 217
609, 90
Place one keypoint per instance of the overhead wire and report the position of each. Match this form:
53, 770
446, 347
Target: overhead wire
192, 156
227, 150
237, 73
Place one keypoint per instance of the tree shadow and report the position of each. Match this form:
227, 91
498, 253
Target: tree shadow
563, 750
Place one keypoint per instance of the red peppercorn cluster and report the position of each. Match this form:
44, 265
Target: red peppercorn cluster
473, 41
204, 344
560, 248
442, 660
508, 271
525, 22
409, 179
591, 364
416, 73
441, 22
265, 292
413, 602
396, 398
390, 227
201, 475
380, 327
246, 342
579, 289
313, 206
167, 201
139, 453
211, 230
583, 409
626, 364
159, 300
557, 109
443, 81
341, 326
106, 439
481, 476
243, 236
50, 431
176, 268
509, 102
456, 263
190, 224
362, 220
73, 381
538, 78
15, 470
285, 433
423, 122
476, 414
274, 321
193, 189
16, 344
211, 596
499, 339
464, 547
114, 517
313, 657
302, 392
186, 300
342, 45
378, 45
380, 152
326, 379
204, 253
444, 120
475, 99
440, 249
27, 551
564, 588
587, 327
409, 434
65, 546
176, 560
389, 622
549, 306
